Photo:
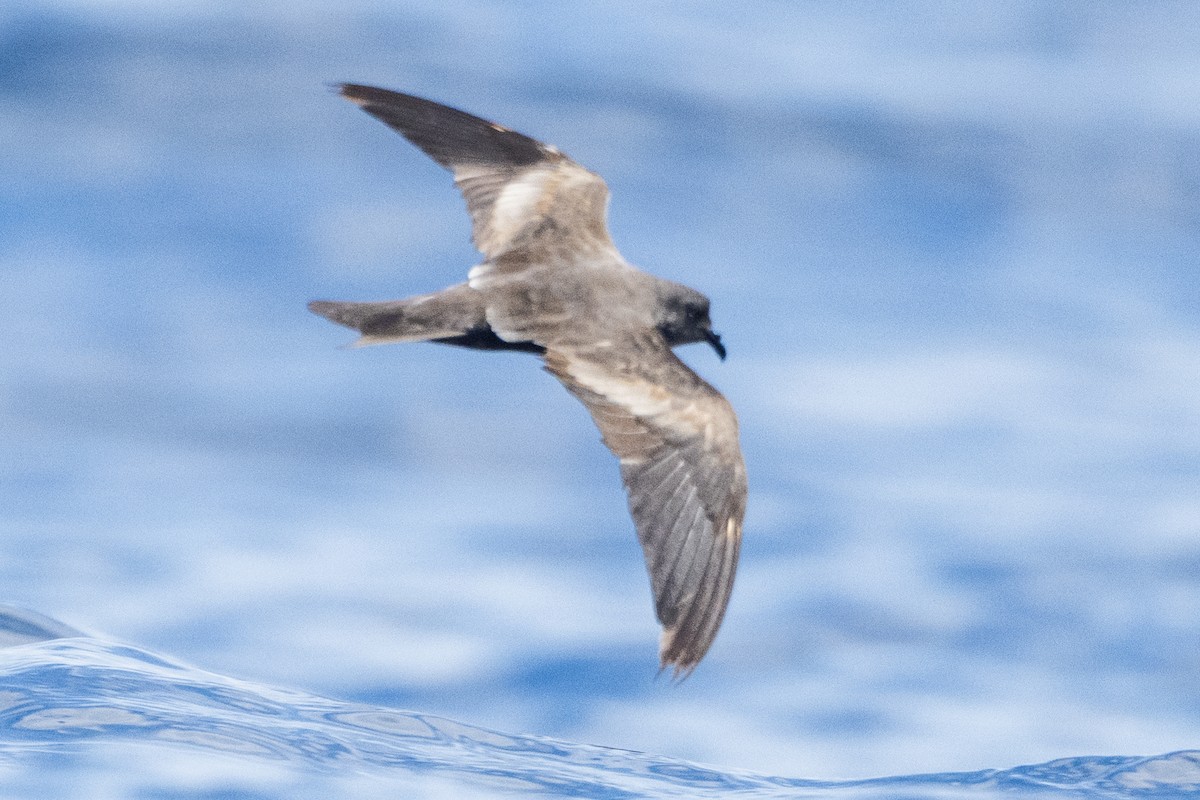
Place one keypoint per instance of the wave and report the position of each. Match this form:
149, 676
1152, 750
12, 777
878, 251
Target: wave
63, 693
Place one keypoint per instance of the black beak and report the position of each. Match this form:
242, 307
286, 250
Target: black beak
715, 340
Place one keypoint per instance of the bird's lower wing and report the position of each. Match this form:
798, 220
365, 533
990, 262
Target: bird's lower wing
677, 440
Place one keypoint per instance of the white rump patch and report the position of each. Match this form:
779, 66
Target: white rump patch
476, 273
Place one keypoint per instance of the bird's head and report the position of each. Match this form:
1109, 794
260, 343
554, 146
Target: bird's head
684, 318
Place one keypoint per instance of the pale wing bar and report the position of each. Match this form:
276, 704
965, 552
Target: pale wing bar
516, 187
683, 470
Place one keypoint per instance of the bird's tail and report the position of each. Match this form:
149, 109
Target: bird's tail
448, 313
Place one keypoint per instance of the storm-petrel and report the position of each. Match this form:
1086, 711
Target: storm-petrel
552, 283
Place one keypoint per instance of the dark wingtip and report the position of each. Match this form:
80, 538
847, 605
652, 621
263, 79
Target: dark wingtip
681, 658
679, 672
357, 92
363, 95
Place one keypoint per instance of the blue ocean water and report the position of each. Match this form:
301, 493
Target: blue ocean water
952, 253
175, 728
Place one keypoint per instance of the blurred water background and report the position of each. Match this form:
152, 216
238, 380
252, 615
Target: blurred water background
953, 253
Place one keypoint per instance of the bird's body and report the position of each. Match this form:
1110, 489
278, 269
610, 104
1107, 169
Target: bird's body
552, 283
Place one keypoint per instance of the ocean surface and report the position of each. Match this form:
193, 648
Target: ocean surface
953, 253
73, 706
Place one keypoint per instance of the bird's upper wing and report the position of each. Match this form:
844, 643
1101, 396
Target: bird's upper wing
521, 194
677, 440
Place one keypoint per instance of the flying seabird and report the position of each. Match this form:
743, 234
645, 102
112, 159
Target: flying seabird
552, 283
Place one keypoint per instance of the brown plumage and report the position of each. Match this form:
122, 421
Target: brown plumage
553, 283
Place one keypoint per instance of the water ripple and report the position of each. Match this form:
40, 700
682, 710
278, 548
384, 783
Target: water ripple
63, 696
